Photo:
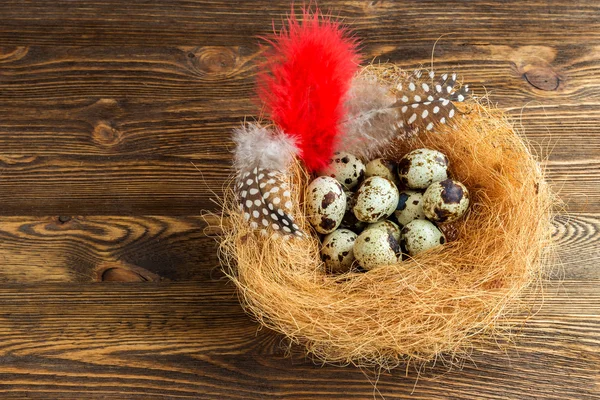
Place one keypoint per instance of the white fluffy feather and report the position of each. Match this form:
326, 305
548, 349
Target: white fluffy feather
259, 146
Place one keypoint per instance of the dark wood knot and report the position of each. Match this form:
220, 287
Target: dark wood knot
121, 275
12, 53
105, 134
120, 271
215, 62
217, 59
63, 219
542, 78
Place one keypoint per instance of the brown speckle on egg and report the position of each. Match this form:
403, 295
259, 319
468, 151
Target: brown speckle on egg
445, 201
327, 224
376, 247
452, 193
421, 167
394, 245
442, 160
421, 235
345, 168
328, 199
337, 250
441, 215
325, 204
376, 198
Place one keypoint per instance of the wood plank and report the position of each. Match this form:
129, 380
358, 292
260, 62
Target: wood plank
192, 340
83, 248
103, 185
577, 238
121, 126
387, 22
161, 185
64, 73
103, 100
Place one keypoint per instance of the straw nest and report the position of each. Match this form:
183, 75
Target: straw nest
442, 303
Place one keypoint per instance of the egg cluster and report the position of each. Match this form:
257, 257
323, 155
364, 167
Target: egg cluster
378, 213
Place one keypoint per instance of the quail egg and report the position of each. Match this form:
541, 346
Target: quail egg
325, 204
410, 207
445, 201
337, 250
420, 168
420, 235
382, 167
349, 220
376, 198
346, 168
376, 247
387, 225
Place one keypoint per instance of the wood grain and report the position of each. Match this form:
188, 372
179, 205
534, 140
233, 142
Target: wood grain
388, 22
81, 249
124, 129
192, 340
103, 100
163, 185
102, 185
115, 122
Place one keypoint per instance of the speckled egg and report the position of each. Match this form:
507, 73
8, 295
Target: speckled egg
337, 250
445, 201
346, 168
376, 247
420, 235
325, 204
376, 198
410, 207
349, 221
420, 168
382, 167
389, 226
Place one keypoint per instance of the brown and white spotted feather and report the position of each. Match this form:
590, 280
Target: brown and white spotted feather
266, 203
386, 104
425, 103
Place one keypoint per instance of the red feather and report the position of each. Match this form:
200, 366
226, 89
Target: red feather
304, 82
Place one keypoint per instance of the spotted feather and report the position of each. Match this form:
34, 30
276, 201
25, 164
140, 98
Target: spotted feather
425, 103
265, 202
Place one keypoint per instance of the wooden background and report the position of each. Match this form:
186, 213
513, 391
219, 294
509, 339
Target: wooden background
115, 119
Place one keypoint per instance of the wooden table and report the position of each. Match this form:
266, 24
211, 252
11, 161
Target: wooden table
115, 120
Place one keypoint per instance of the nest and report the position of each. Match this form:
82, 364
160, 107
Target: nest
442, 303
